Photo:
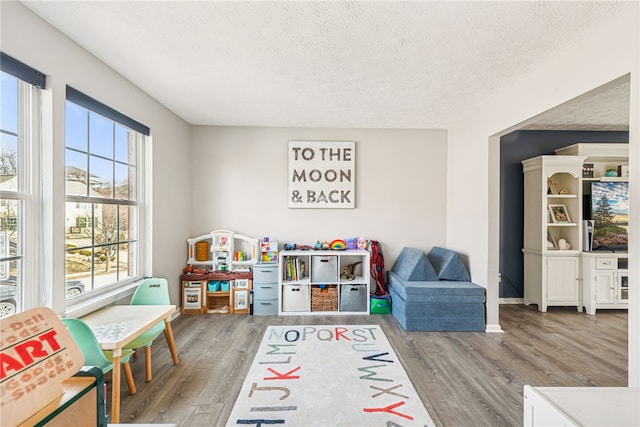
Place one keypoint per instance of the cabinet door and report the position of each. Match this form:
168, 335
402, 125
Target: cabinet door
605, 287
562, 280
623, 286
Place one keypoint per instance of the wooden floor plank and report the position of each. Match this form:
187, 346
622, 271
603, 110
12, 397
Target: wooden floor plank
464, 379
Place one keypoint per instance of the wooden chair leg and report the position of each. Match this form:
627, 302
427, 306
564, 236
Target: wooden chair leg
168, 334
147, 362
129, 377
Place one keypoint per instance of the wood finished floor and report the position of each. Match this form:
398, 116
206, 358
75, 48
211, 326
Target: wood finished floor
464, 379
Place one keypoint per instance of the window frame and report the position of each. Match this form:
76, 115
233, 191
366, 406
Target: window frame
28, 194
103, 295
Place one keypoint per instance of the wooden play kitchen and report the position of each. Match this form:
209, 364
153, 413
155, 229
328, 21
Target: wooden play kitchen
218, 277
216, 292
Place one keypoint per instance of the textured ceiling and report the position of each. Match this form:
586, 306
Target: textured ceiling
334, 64
605, 110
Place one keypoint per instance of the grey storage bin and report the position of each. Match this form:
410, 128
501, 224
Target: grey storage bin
295, 298
265, 273
324, 269
353, 298
267, 307
265, 290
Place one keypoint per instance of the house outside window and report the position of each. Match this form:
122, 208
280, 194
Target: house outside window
104, 204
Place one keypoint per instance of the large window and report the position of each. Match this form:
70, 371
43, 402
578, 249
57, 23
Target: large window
19, 125
103, 197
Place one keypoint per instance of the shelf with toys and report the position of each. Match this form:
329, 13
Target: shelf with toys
328, 278
223, 250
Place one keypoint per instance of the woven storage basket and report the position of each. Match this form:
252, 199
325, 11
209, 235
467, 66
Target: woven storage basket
324, 298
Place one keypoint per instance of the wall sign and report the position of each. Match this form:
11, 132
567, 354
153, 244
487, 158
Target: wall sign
322, 174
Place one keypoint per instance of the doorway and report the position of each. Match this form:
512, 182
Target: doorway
609, 100
515, 147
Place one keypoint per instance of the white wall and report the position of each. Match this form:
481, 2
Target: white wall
31, 40
240, 183
600, 56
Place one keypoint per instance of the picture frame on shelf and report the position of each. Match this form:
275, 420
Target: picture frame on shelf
241, 300
551, 241
559, 214
241, 283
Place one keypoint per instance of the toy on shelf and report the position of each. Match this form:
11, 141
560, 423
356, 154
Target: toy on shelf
363, 243
352, 243
349, 270
268, 251
296, 247
338, 245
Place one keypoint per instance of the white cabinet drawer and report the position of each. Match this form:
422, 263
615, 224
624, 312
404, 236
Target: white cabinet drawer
265, 290
265, 273
606, 263
265, 307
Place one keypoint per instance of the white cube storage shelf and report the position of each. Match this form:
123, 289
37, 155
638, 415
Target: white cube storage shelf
305, 275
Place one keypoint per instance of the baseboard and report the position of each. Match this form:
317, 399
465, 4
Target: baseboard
493, 328
511, 301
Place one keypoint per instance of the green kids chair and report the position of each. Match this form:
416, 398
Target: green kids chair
94, 355
153, 291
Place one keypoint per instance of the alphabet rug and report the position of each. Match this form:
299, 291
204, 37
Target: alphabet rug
327, 376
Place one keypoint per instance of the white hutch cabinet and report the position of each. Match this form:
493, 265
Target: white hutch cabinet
552, 231
555, 273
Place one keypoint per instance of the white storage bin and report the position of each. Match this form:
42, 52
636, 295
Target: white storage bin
295, 298
324, 269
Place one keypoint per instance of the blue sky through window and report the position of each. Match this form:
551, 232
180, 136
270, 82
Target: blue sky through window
9, 95
99, 145
8, 122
